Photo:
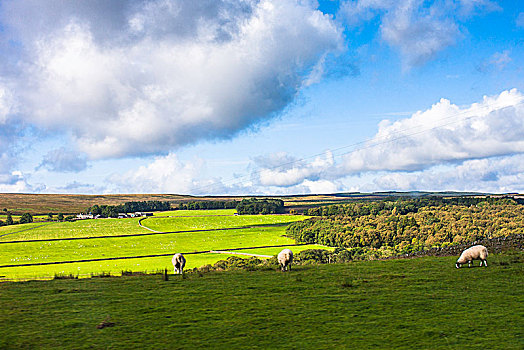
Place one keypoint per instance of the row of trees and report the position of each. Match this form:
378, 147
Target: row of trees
111, 211
399, 206
201, 205
254, 206
393, 227
24, 219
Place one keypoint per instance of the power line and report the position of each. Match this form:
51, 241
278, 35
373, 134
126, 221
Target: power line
365, 143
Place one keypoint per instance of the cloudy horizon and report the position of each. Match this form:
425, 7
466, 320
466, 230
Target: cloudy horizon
261, 97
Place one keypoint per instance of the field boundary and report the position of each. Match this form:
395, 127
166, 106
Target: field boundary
150, 255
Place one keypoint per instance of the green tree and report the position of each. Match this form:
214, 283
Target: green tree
9, 220
50, 217
26, 218
60, 217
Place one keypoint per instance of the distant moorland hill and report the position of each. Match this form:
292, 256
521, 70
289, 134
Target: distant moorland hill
19, 203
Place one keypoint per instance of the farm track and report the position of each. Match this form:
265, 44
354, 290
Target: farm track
219, 251
143, 234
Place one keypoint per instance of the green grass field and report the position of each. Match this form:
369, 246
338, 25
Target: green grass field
214, 222
48, 250
422, 303
210, 212
81, 228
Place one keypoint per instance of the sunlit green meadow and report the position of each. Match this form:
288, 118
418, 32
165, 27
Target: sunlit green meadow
80, 228
211, 212
48, 250
216, 222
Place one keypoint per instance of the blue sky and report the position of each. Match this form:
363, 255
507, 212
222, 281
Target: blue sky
261, 97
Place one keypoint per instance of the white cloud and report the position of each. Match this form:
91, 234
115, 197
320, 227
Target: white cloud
495, 175
282, 170
418, 29
469, 148
14, 183
445, 133
166, 174
171, 74
479, 147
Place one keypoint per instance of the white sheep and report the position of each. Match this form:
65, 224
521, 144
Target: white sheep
178, 263
477, 252
285, 258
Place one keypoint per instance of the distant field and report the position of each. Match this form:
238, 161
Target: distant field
214, 222
80, 228
74, 242
422, 303
217, 212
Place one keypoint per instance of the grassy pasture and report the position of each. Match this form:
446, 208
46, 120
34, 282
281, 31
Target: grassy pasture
115, 267
149, 244
216, 222
422, 303
209, 212
80, 228
53, 251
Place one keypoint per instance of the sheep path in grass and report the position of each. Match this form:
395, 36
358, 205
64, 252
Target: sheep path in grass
27, 229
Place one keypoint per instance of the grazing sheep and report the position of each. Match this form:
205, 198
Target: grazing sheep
477, 252
178, 263
285, 258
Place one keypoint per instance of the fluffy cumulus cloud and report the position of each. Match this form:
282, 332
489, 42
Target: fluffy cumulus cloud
445, 133
418, 29
145, 77
14, 182
283, 170
496, 175
472, 147
166, 174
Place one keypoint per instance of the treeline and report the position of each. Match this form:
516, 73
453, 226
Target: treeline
111, 211
254, 206
399, 206
24, 219
202, 205
399, 227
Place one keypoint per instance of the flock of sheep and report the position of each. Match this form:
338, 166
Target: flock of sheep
285, 258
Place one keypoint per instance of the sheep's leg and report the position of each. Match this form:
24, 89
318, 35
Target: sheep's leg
469, 263
481, 262
485, 263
